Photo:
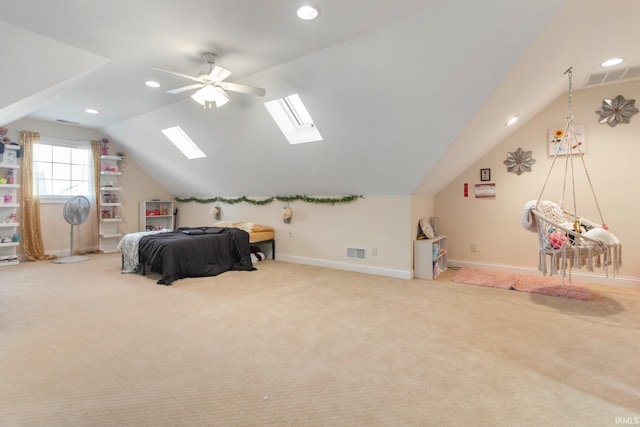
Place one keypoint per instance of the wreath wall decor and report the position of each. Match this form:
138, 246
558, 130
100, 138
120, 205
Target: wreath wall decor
268, 200
617, 110
519, 161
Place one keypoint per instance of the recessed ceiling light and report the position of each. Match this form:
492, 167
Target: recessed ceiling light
511, 121
91, 111
151, 83
611, 62
307, 12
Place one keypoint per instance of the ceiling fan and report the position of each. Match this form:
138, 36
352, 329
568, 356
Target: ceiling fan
211, 85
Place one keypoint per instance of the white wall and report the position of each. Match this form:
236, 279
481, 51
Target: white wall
320, 234
136, 185
494, 224
421, 207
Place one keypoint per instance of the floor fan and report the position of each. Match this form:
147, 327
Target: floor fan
75, 212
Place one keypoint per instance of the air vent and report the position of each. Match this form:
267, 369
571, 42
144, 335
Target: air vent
595, 79
632, 73
356, 253
613, 76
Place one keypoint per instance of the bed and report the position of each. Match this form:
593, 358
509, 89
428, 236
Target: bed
193, 251
258, 233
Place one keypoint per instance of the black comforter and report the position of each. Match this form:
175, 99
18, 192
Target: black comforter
204, 251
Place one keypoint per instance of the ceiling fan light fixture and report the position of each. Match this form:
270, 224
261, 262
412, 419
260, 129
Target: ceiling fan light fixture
221, 97
209, 95
307, 12
199, 98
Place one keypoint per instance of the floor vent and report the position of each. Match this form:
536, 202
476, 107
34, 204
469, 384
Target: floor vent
356, 253
613, 76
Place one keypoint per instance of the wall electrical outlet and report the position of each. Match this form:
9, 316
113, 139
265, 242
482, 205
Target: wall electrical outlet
474, 247
374, 251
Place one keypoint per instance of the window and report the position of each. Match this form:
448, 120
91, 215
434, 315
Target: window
293, 119
297, 110
62, 168
181, 140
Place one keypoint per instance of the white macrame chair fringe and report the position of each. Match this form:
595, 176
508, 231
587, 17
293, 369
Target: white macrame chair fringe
576, 250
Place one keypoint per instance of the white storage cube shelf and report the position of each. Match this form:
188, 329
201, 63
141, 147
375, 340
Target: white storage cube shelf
110, 171
155, 215
430, 257
9, 205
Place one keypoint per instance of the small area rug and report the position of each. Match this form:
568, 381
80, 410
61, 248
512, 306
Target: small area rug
537, 284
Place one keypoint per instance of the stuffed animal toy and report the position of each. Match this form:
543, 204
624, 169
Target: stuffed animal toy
3, 136
105, 147
556, 238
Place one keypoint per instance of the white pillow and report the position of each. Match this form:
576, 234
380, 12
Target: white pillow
602, 235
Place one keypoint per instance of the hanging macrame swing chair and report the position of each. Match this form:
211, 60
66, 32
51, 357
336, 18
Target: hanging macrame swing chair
565, 239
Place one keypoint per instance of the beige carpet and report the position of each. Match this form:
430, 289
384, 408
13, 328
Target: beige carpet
83, 345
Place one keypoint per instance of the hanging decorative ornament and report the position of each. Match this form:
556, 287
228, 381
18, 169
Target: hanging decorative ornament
216, 212
287, 214
519, 161
617, 110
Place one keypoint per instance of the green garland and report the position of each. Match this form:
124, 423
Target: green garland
262, 202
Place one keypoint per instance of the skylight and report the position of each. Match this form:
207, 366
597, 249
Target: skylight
182, 141
293, 119
297, 109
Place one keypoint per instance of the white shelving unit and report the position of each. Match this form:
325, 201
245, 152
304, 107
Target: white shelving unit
156, 214
9, 205
430, 257
110, 171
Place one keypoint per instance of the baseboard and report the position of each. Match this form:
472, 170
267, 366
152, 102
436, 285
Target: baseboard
584, 277
358, 268
58, 253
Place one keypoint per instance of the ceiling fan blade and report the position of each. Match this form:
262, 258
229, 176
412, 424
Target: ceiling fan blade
218, 74
177, 74
186, 88
235, 87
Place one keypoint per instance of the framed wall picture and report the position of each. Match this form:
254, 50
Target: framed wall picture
485, 191
557, 141
485, 174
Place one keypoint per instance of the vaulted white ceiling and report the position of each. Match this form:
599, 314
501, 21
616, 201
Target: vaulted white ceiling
406, 93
